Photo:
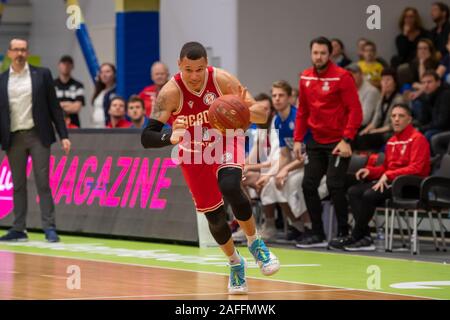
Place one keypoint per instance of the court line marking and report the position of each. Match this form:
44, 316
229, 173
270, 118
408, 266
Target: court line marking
203, 294
221, 274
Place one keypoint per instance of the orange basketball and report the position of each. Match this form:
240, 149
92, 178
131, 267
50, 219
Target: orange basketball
229, 112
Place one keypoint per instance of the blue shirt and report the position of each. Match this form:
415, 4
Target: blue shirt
286, 129
146, 120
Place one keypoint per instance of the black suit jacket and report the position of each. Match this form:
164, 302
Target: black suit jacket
45, 108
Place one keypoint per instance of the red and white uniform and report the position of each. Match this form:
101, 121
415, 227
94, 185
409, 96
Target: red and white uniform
206, 151
407, 152
328, 105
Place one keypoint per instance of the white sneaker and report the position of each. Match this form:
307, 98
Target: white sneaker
237, 283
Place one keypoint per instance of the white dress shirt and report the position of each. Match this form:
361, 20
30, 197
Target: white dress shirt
20, 99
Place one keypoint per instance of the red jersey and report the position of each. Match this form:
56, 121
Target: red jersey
194, 108
328, 105
407, 152
201, 177
149, 94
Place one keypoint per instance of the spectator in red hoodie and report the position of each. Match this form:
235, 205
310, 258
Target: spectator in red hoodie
117, 111
407, 153
329, 107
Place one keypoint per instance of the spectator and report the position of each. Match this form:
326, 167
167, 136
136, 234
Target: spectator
261, 146
338, 55
105, 91
117, 114
360, 49
379, 130
368, 94
407, 153
159, 74
69, 92
69, 124
294, 98
136, 112
426, 59
435, 116
370, 67
440, 15
443, 69
410, 25
280, 184
329, 107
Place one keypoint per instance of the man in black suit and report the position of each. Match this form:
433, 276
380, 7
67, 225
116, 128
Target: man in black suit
28, 111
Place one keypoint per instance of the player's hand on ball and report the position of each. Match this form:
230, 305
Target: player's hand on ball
240, 92
178, 130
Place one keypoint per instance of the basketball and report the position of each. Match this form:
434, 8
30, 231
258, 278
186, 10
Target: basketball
229, 112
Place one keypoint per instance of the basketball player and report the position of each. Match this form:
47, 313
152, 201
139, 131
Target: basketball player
186, 98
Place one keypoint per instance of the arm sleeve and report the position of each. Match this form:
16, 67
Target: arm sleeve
419, 160
54, 109
350, 98
154, 136
301, 118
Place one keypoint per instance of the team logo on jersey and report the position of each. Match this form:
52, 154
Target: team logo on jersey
308, 83
191, 104
326, 86
205, 135
209, 98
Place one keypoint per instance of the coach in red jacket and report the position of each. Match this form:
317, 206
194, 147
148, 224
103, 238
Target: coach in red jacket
329, 107
407, 153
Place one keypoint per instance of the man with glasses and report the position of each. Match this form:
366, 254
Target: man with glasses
28, 111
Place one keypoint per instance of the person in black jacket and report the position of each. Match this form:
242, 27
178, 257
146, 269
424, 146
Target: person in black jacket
28, 111
435, 117
412, 31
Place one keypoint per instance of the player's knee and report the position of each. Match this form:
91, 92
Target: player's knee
230, 182
217, 222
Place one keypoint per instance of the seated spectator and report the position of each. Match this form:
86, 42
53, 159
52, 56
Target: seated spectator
379, 130
159, 74
117, 113
263, 144
426, 59
282, 183
105, 91
70, 92
136, 112
370, 67
407, 153
435, 112
443, 69
338, 55
410, 25
69, 124
368, 94
440, 14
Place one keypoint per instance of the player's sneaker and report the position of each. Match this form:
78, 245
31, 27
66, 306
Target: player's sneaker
266, 260
237, 283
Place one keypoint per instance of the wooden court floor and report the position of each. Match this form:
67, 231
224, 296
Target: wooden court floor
25, 276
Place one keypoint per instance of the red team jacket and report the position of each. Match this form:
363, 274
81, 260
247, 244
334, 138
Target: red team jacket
328, 105
407, 152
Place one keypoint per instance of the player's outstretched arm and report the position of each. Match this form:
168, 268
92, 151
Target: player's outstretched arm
154, 136
229, 84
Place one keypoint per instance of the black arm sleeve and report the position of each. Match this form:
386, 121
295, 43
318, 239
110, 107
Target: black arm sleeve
154, 136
